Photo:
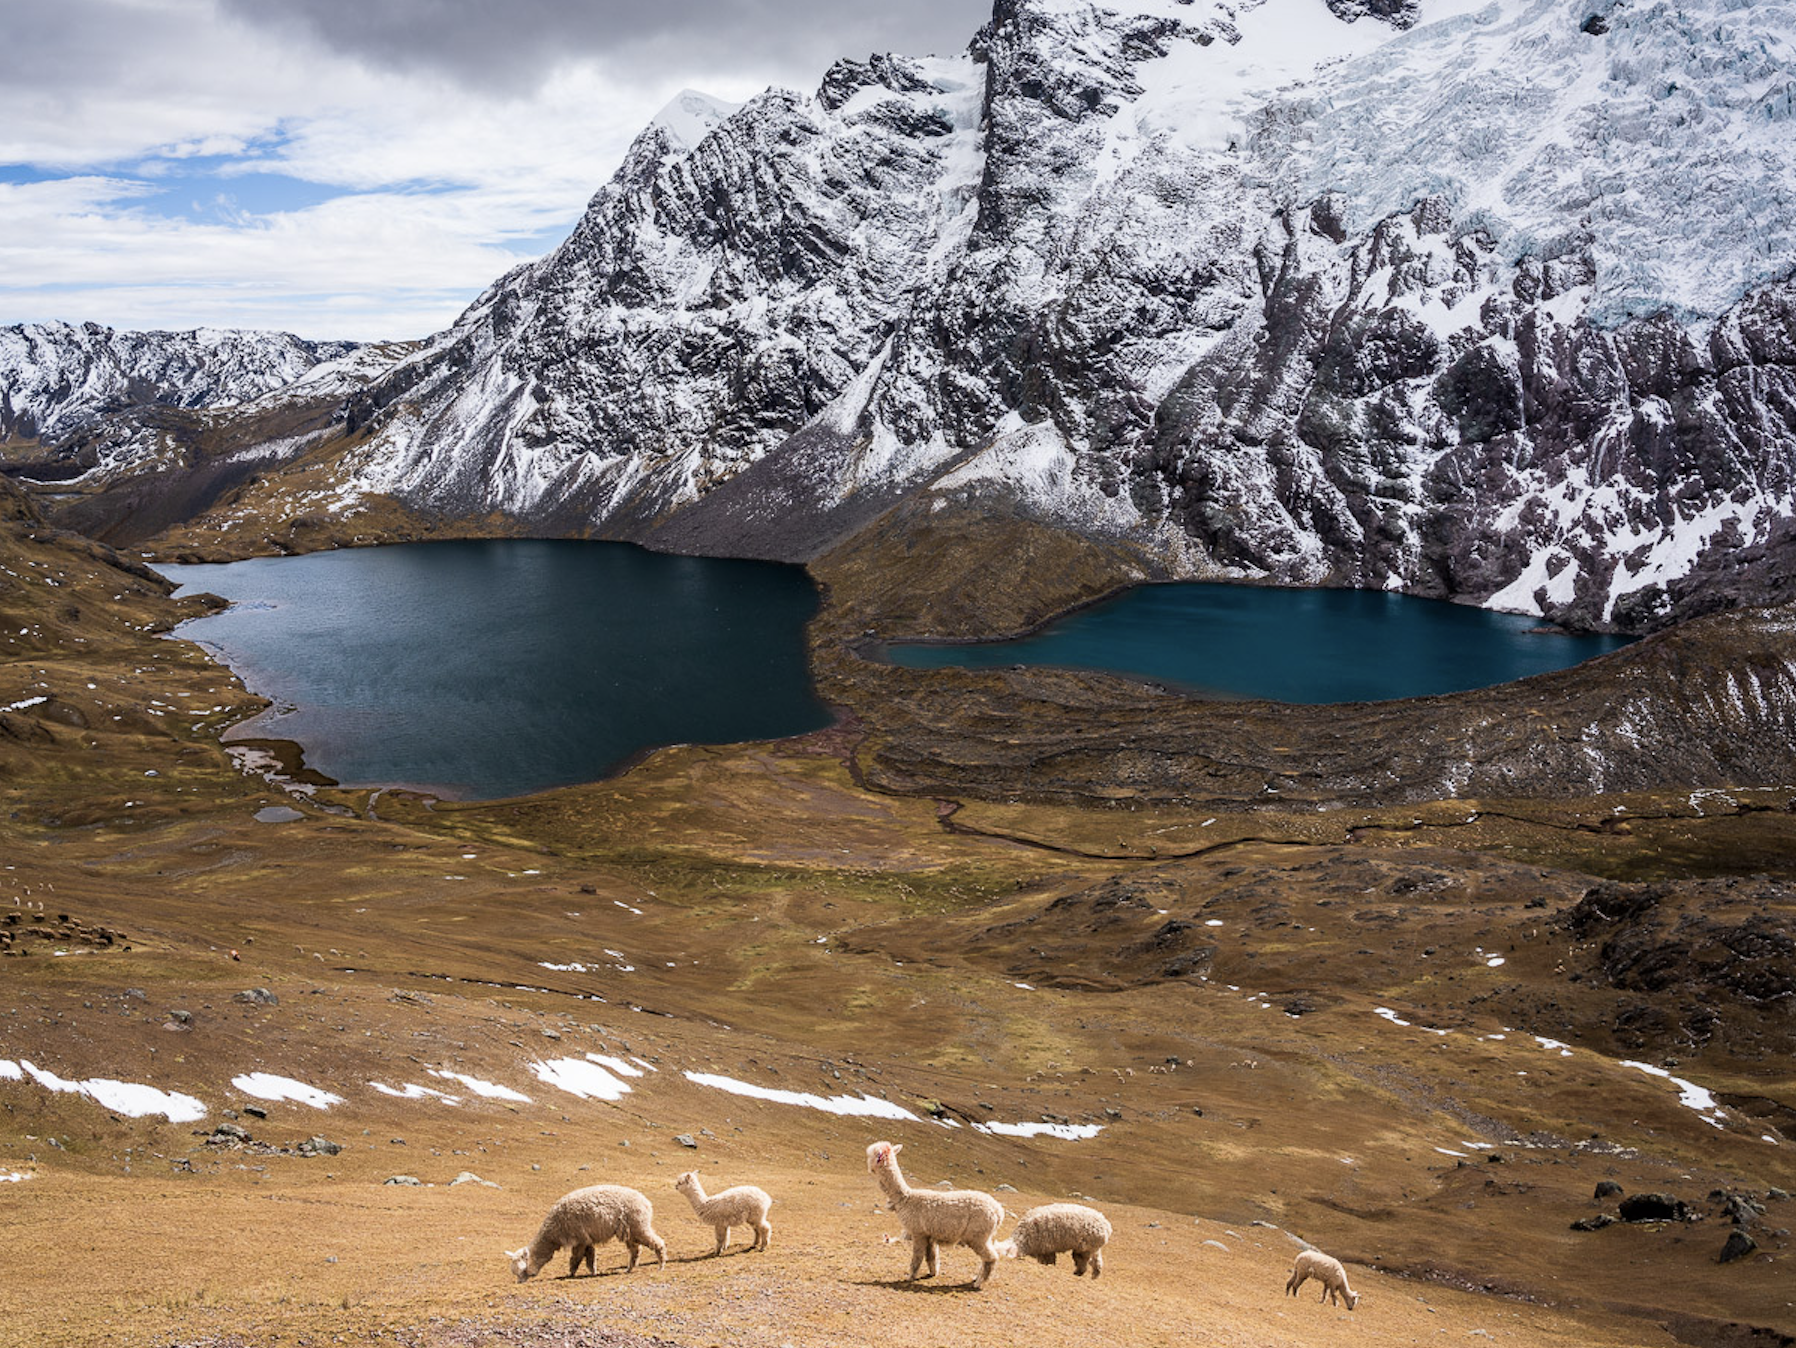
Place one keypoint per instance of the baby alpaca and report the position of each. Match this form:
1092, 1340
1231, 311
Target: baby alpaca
585, 1219
932, 1218
743, 1205
1057, 1228
1327, 1271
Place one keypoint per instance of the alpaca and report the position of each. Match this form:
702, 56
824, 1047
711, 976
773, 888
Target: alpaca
743, 1205
1325, 1270
1056, 1228
585, 1219
932, 1218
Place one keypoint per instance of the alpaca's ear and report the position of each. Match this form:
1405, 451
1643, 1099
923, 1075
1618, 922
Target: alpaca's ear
896, 1148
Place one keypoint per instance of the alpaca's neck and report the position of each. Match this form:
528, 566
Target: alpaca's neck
542, 1250
891, 1181
695, 1194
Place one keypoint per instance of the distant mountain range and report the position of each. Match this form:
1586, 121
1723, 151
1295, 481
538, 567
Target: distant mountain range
1489, 301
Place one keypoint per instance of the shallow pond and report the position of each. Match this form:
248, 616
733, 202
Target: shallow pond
1253, 641
488, 669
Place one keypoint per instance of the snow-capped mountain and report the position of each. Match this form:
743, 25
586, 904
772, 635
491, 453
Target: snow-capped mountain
1491, 299
55, 377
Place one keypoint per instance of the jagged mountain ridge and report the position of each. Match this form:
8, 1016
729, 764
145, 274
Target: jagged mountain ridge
1138, 271
1392, 295
58, 377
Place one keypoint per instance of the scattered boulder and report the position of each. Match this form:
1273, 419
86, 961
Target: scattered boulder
319, 1146
1738, 1246
1655, 1208
257, 997
1607, 1189
1595, 1222
686, 1140
469, 1177
411, 1180
1737, 1207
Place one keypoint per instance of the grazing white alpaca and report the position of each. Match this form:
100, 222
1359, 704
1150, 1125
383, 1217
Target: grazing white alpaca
744, 1205
585, 1219
936, 1217
1326, 1270
1057, 1228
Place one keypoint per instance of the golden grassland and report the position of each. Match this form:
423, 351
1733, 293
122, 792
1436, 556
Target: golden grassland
758, 912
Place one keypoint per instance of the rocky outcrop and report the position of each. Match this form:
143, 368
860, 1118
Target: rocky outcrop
1709, 704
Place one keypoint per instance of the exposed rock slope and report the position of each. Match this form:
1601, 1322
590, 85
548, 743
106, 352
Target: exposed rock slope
1401, 301
1492, 302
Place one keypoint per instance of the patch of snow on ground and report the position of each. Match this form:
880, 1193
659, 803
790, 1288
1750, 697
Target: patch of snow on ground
618, 1065
479, 1087
268, 1086
1071, 1132
852, 1106
137, 1101
414, 1092
28, 702
13, 1176
1690, 1095
580, 1078
1393, 1017
121, 1097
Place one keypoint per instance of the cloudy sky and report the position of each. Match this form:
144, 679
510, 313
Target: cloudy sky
355, 168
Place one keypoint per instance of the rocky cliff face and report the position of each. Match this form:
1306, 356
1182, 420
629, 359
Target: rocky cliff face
1488, 302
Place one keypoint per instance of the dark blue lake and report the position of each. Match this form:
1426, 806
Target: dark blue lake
488, 669
1254, 641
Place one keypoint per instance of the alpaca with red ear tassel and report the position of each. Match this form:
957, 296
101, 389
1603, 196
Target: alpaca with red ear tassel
932, 1218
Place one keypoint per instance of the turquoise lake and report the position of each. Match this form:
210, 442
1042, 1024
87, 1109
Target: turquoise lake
1251, 641
486, 669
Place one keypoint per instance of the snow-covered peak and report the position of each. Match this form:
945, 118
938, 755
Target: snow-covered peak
690, 115
55, 377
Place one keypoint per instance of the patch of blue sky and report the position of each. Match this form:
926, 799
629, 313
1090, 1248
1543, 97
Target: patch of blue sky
192, 189
26, 173
203, 196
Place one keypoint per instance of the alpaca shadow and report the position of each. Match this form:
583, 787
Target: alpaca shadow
921, 1286
618, 1270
